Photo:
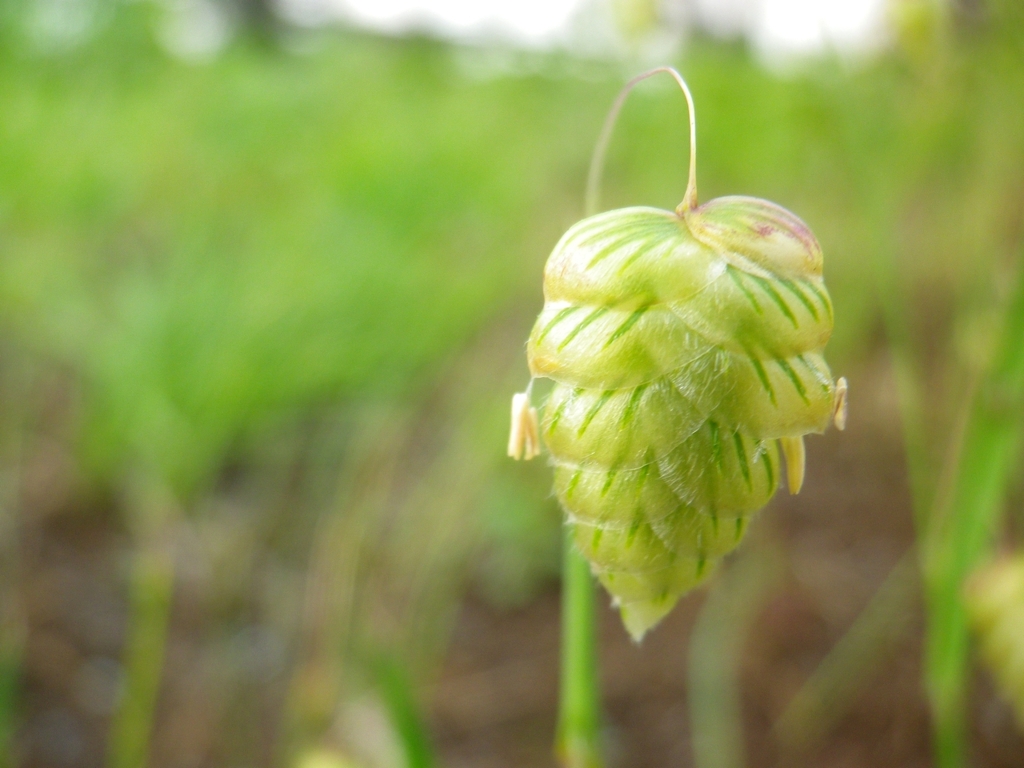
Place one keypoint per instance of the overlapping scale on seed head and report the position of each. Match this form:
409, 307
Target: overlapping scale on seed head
681, 348
760, 230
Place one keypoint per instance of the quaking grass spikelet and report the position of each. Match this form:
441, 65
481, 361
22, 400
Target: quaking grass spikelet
995, 602
686, 350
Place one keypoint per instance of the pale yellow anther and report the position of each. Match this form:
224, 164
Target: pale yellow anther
524, 436
793, 450
839, 405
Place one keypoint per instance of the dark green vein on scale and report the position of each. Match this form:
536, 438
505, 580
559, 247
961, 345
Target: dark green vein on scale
583, 324
741, 454
559, 317
769, 289
793, 288
610, 248
633, 404
594, 409
797, 383
825, 301
624, 328
768, 468
763, 376
735, 274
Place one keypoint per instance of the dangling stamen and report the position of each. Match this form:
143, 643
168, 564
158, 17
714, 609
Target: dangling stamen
793, 450
839, 406
524, 436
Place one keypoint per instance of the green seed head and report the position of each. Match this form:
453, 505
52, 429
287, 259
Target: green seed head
682, 347
686, 350
995, 602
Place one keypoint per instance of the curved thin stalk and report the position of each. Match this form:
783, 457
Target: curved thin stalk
601, 148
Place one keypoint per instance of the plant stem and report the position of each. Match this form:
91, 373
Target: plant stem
716, 647
152, 586
579, 698
397, 691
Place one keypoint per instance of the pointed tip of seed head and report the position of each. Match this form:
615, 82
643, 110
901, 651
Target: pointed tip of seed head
840, 406
796, 459
524, 435
641, 616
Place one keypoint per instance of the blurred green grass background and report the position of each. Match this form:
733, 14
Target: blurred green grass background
260, 319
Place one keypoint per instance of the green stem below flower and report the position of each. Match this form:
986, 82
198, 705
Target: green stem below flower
578, 740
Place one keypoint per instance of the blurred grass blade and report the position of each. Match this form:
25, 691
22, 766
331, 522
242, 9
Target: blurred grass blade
12, 641
15, 382
152, 587
329, 596
854, 660
715, 648
960, 539
397, 691
909, 380
10, 674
